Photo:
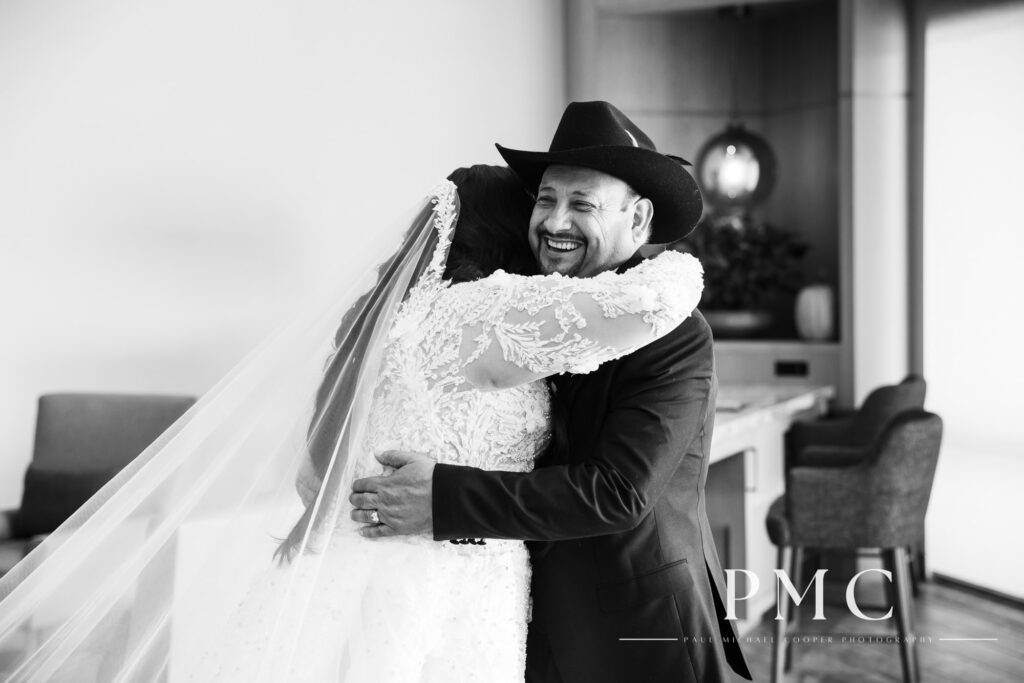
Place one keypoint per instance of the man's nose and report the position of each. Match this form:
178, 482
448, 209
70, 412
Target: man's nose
557, 219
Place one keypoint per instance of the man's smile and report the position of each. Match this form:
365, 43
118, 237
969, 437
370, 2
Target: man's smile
562, 245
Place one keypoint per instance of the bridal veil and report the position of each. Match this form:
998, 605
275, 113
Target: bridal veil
137, 583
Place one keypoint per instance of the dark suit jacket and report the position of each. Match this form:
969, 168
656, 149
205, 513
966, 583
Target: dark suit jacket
624, 549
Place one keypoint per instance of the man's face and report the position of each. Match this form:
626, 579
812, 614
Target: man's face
585, 222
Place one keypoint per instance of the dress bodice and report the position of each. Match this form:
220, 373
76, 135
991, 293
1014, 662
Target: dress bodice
417, 405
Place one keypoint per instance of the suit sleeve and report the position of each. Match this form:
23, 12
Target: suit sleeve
656, 416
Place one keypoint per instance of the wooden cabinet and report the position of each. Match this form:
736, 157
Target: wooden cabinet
683, 76
777, 362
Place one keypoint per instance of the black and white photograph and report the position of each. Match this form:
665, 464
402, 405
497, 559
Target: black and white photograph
511, 341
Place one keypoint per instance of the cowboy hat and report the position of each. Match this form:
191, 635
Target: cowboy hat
597, 135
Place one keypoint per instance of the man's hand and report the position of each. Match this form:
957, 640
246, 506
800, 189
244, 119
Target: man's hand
402, 500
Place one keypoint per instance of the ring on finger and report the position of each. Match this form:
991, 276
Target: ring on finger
374, 517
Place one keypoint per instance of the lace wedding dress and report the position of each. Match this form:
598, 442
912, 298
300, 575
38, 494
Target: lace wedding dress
413, 609
458, 378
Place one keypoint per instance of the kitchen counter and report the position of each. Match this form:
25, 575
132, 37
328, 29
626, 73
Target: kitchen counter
746, 475
744, 408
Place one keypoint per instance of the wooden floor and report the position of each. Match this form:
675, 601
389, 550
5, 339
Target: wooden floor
940, 612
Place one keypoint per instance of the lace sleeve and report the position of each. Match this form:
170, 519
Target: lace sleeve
515, 329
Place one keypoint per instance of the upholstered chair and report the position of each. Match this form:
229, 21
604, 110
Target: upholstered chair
878, 502
81, 442
837, 441
842, 440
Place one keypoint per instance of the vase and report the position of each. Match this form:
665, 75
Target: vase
738, 324
814, 312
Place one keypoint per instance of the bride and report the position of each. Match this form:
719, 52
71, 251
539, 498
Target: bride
167, 573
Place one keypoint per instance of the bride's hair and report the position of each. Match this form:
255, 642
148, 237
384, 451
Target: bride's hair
494, 215
491, 233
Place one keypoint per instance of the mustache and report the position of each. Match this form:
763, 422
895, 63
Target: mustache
563, 235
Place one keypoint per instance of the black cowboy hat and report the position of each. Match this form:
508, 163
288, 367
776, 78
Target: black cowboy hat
597, 135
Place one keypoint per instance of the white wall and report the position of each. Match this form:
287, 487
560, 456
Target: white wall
874, 189
176, 176
973, 246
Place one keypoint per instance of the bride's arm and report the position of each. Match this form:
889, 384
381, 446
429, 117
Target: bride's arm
516, 329
650, 433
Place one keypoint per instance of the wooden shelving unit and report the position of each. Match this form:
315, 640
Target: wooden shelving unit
821, 80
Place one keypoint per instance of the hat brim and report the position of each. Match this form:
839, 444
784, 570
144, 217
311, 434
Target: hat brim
663, 180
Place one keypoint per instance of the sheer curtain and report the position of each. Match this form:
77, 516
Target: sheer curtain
972, 245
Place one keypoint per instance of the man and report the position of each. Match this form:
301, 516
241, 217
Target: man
626, 584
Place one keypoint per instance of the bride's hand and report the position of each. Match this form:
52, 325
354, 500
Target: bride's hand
402, 500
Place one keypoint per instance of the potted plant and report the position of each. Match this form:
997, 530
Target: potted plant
746, 265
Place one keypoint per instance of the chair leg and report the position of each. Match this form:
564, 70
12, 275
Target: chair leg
916, 570
796, 576
889, 588
904, 607
915, 563
785, 559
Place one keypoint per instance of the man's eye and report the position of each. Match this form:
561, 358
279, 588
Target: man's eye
545, 201
582, 206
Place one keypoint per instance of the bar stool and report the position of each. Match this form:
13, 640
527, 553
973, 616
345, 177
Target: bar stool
843, 440
878, 502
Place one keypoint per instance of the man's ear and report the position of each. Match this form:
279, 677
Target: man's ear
643, 214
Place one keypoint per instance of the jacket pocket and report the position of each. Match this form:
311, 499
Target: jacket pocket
619, 595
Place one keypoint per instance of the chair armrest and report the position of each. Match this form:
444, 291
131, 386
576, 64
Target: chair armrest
831, 432
829, 456
777, 523
7, 524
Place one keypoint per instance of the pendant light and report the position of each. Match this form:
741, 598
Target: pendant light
735, 168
